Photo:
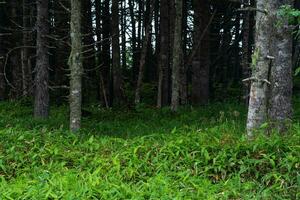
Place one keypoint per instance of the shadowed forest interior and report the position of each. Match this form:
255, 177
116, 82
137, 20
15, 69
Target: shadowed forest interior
149, 99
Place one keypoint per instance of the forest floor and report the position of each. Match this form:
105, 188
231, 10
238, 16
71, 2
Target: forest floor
198, 153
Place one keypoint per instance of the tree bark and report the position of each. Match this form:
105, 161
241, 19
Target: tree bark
163, 96
280, 111
271, 63
41, 101
117, 71
75, 63
177, 56
200, 63
106, 68
25, 54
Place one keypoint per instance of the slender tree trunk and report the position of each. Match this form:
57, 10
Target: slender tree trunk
143, 55
41, 101
177, 56
75, 63
106, 68
163, 96
99, 60
25, 54
183, 69
117, 72
123, 33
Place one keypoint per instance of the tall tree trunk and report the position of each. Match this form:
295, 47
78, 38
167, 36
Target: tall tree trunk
177, 56
106, 69
163, 96
280, 111
123, 33
183, 69
144, 54
75, 63
200, 63
117, 72
41, 101
99, 60
271, 63
25, 54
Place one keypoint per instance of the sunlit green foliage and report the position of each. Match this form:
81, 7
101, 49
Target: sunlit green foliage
198, 153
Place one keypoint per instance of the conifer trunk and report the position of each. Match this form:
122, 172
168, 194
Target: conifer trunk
271, 88
41, 102
177, 56
117, 73
75, 63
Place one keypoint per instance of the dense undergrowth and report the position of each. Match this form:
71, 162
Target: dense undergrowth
198, 153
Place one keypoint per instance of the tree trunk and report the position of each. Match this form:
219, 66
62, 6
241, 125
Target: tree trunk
41, 101
177, 56
183, 69
25, 54
105, 68
75, 63
163, 96
200, 63
133, 40
117, 72
280, 111
271, 63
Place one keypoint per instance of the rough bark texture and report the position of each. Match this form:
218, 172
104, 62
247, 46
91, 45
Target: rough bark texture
280, 111
75, 62
200, 64
117, 72
177, 56
271, 62
163, 96
41, 101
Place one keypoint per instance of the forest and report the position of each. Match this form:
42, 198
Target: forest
149, 99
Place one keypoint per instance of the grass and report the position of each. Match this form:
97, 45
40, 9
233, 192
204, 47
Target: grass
198, 153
